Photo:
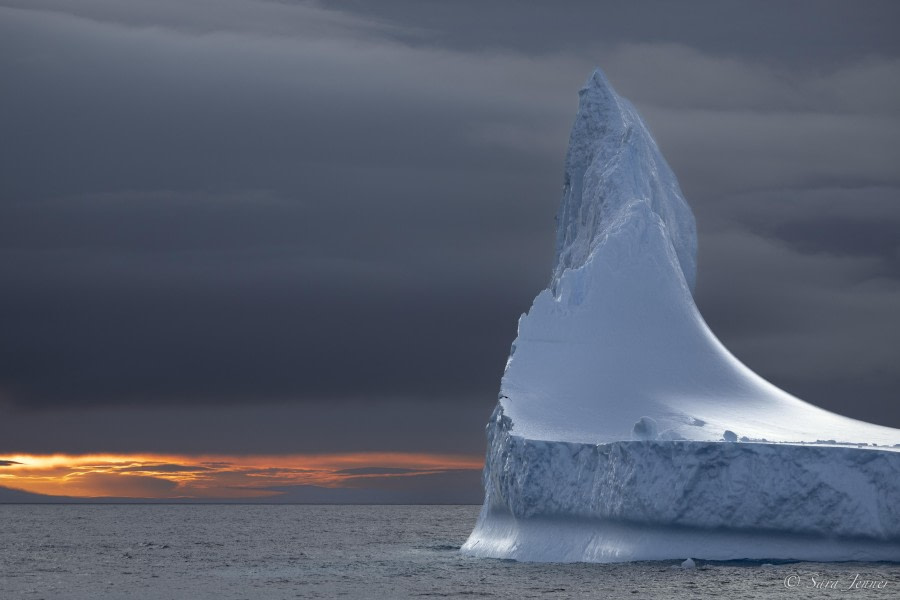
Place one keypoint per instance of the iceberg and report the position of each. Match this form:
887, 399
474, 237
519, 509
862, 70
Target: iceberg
626, 431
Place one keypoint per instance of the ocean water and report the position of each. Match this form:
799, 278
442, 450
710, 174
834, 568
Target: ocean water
301, 551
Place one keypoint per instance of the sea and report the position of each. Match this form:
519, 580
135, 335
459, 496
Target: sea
194, 552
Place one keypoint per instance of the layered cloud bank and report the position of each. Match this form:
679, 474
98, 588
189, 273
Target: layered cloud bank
202, 172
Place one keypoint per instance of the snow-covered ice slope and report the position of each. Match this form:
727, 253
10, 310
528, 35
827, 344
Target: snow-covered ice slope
625, 430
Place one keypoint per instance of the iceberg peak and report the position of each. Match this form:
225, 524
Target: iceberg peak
613, 161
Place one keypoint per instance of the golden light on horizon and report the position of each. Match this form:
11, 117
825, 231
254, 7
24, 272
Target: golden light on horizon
181, 476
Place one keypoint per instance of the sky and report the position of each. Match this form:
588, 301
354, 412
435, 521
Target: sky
242, 232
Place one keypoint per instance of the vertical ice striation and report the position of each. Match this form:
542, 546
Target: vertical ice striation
612, 159
625, 430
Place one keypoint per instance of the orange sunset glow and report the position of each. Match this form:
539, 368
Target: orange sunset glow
161, 476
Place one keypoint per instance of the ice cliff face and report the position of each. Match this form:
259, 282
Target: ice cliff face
654, 500
625, 430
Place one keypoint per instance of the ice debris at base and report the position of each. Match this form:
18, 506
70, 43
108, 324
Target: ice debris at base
615, 351
644, 429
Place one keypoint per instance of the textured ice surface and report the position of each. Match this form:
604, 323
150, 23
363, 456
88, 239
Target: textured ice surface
652, 500
623, 422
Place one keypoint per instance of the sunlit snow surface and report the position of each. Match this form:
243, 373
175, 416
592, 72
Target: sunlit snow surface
618, 406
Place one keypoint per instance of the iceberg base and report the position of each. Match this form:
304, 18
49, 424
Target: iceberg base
557, 501
584, 540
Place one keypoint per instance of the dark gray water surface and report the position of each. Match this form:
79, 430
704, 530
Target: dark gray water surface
301, 551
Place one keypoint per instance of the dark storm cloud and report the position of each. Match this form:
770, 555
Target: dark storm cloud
802, 31
266, 226
331, 246
261, 17
439, 424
